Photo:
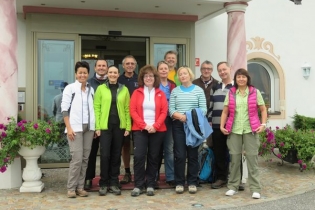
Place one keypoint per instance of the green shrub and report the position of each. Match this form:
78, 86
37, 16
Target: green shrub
303, 122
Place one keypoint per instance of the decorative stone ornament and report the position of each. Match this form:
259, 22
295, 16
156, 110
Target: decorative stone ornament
32, 173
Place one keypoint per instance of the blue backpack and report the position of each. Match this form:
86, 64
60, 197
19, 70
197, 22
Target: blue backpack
206, 165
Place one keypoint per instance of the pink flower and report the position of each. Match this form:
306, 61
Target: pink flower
304, 166
1, 126
3, 169
264, 145
277, 128
22, 128
5, 128
6, 160
19, 124
300, 161
35, 126
3, 134
281, 144
48, 130
279, 155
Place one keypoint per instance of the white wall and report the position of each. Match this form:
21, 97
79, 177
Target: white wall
21, 50
290, 29
211, 41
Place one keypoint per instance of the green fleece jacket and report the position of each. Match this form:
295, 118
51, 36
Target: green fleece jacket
102, 101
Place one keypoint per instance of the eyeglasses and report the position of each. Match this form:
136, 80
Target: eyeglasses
206, 69
130, 64
148, 76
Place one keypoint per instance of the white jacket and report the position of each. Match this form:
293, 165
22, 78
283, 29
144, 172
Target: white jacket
75, 114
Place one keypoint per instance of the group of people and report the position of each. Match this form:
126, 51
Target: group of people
153, 109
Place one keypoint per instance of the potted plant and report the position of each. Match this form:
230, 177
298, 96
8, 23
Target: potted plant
28, 139
295, 146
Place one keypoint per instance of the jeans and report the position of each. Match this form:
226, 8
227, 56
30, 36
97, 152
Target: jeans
181, 151
111, 141
147, 146
168, 150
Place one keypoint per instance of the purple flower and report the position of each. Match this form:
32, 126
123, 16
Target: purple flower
3, 169
5, 128
47, 130
24, 121
3, 134
300, 161
304, 166
35, 126
8, 118
22, 128
264, 145
19, 124
277, 128
281, 144
1, 126
5, 160
279, 155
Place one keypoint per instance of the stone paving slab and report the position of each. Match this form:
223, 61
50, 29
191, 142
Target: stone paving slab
277, 182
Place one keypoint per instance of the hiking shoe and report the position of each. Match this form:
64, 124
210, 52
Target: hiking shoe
230, 192
179, 189
256, 195
115, 190
136, 192
71, 194
171, 183
102, 191
88, 184
126, 179
81, 193
218, 184
241, 187
150, 191
192, 189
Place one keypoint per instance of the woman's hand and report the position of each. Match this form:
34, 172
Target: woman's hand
126, 133
70, 134
260, 129
97, 132
183, 118
224, 131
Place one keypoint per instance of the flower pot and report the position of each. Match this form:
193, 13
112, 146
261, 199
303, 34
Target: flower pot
32, 173
291, 157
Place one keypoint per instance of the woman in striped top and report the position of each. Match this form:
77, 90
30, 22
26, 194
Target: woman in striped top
185, 98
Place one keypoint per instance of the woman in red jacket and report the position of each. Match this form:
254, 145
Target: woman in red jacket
148, 109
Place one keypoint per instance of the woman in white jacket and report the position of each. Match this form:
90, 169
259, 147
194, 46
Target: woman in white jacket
78, 112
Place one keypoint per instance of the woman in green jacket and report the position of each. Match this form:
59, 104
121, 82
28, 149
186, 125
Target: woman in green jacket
112, 119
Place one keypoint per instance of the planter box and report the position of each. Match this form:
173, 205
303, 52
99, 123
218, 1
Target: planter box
12, 178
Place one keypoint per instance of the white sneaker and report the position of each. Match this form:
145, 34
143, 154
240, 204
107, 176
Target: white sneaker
230, 192
256, 195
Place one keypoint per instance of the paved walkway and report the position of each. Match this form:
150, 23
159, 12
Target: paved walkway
277, 182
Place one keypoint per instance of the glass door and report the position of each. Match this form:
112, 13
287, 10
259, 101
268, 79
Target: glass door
56, 55
159, 46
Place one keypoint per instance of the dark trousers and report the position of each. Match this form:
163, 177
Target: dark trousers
90, 171
147, 146
220, 152
111, 142
181, 151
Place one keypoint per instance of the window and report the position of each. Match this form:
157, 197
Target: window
265, 78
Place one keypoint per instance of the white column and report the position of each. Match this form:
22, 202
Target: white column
236, 40
8, 81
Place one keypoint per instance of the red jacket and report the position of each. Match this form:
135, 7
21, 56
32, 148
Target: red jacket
136, 110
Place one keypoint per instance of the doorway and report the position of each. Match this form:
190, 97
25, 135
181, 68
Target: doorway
113, 49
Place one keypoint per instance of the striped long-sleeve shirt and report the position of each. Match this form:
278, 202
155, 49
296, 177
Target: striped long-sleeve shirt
184, 99
217, 103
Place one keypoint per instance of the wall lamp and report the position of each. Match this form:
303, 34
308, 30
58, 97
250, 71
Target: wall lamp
306, 68
297, 2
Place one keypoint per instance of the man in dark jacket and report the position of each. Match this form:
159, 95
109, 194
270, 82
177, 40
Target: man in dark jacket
99, 78
130, 79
